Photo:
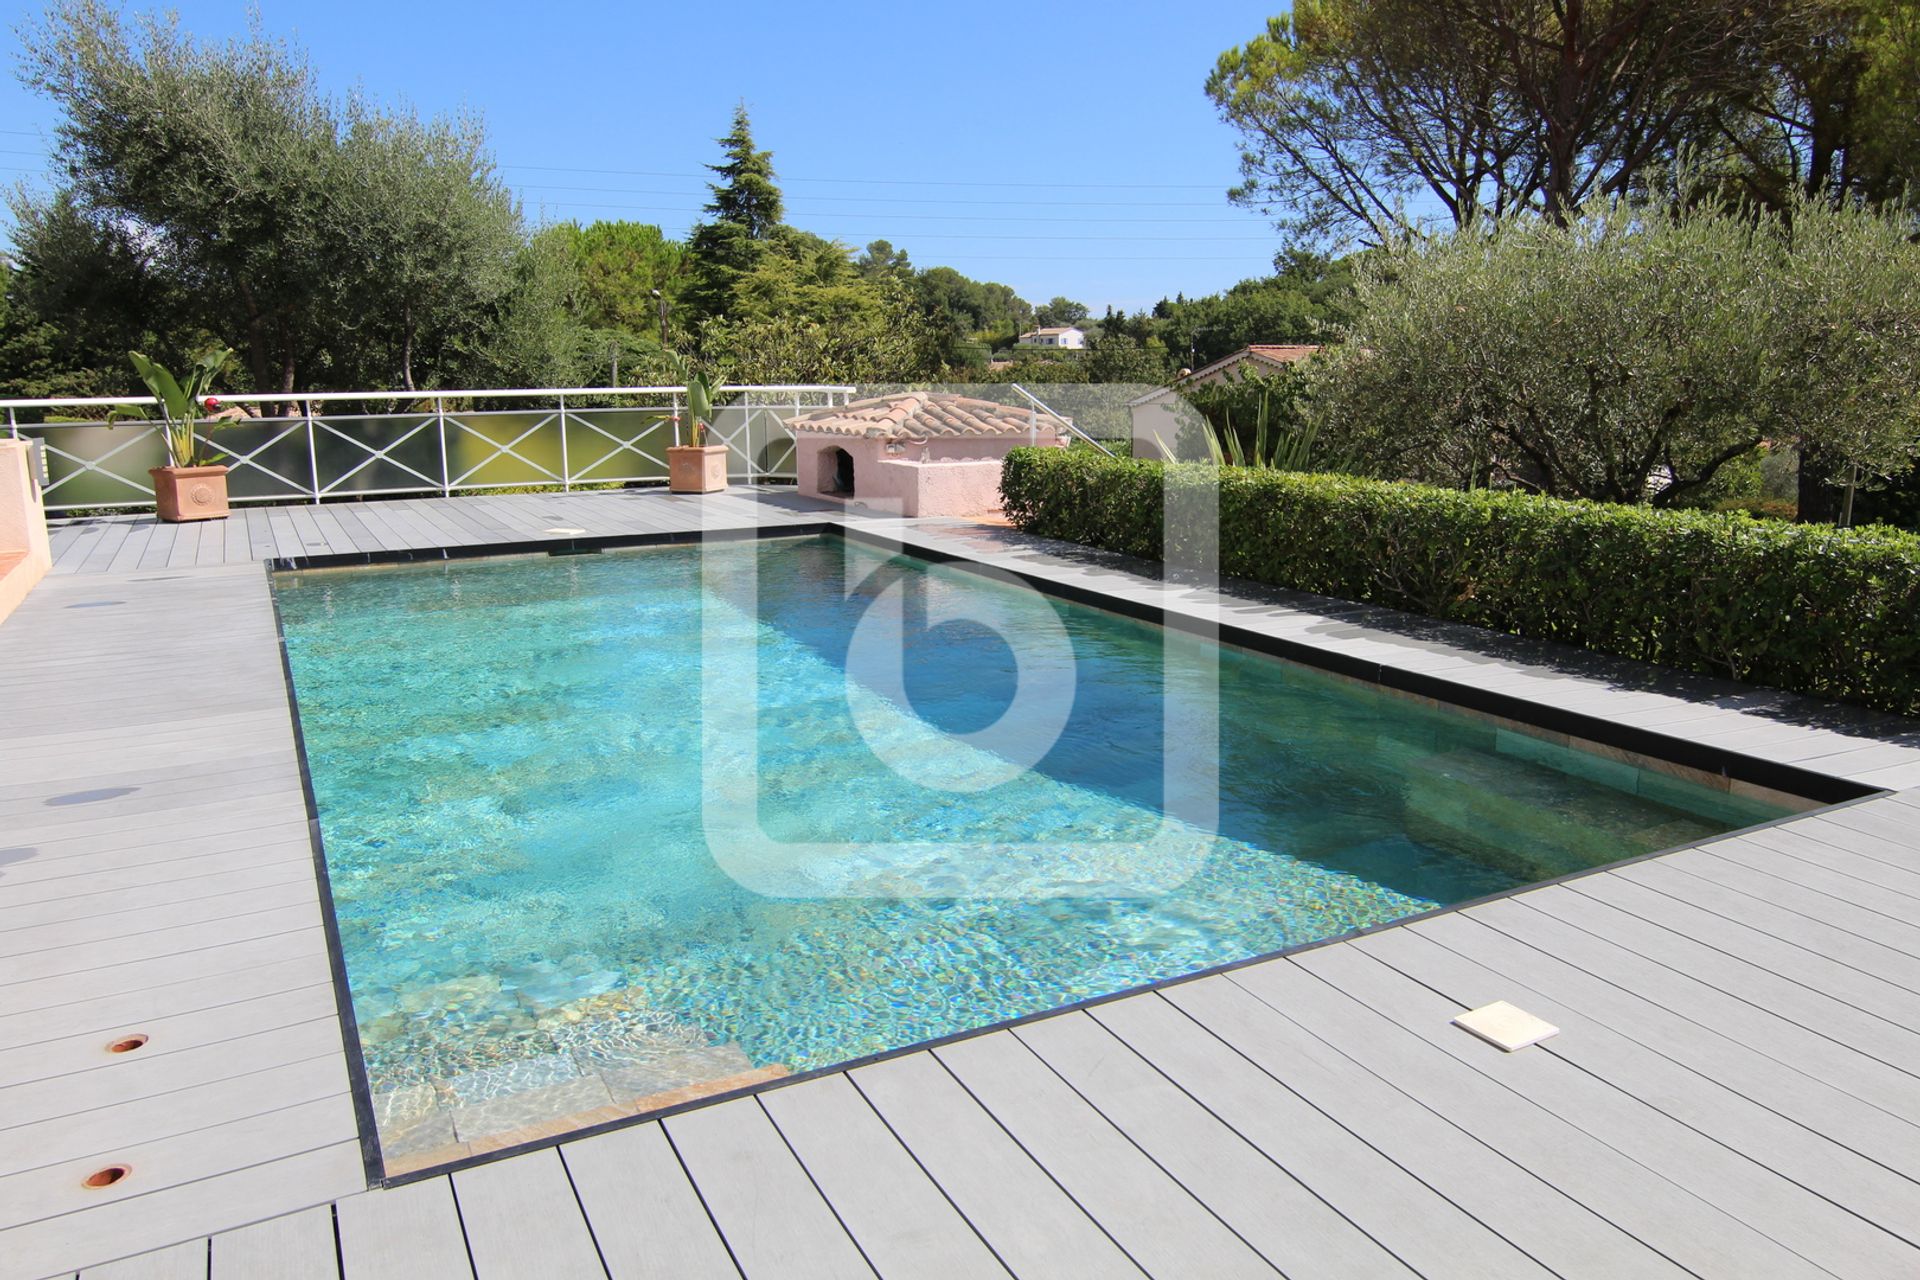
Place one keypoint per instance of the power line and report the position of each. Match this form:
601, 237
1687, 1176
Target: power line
869, 199
898, 182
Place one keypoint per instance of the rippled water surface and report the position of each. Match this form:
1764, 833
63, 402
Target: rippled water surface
510, 766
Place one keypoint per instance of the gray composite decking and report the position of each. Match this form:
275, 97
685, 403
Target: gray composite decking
1735, 1089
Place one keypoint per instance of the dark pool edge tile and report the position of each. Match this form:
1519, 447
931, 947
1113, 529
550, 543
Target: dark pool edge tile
359, 1085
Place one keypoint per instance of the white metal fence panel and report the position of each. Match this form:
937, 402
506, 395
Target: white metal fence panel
324, 446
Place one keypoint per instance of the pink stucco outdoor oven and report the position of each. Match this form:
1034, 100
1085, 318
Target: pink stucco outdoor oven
916, 453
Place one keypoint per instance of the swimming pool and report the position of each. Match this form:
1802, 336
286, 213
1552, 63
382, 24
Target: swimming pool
531, 771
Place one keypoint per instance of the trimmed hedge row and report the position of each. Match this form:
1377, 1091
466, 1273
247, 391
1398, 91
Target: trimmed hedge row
1808, 608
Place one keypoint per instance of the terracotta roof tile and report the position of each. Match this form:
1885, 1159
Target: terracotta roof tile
921, 414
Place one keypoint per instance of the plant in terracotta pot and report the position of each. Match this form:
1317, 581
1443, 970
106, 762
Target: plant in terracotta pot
696, 466
192, 486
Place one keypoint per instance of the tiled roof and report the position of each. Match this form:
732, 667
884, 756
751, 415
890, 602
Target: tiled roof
1284, 352
1268, 352
920, 414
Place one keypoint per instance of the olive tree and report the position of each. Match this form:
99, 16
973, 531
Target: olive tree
331, 243
1631, 354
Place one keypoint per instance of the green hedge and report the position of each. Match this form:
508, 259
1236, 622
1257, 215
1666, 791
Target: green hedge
1803, 607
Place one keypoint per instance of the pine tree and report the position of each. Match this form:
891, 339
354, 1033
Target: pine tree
746, 195
746, 206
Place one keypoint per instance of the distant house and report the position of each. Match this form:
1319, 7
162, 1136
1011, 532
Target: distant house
1054, 336
1157, 415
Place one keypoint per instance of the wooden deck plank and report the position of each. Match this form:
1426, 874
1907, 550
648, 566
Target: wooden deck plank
1863, 990
1030, 1223
774, 1220
1762, 910
406, 1233
77, 1074
1854, 860
113, 536
126, 1226
1662, 1214
646, 1216
1871, 1192
127, 558
521, 1219
1780, 1086
1157, 1221
1890, 1053
186, 543
1789, 1217
1290, 1226
296, 1246
204, 1106
185, 1261
1811, 888
1445, 1204
904, 1225
1863, 1078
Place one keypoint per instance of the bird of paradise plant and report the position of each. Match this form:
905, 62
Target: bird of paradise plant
180, 406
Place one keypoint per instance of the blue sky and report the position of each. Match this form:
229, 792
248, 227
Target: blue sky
1062, 148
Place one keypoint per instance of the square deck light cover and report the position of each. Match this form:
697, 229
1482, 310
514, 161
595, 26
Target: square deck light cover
1504, 1025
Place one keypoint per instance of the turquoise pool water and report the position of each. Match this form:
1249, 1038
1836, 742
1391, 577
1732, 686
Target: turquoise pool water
509, 761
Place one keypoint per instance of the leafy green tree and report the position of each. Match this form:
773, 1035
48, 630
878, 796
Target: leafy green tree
1303, 302
1062, 311
1119, 357
1842, 116
890, 341
628, 270
1630, 356
1356, 116
540, 338
332, 245
974, 307
79, 295
428, 237
880, 259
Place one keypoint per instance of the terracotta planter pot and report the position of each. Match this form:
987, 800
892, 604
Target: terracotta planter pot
190, 493
700, 468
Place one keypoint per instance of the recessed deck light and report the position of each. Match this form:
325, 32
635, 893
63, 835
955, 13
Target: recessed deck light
566, 533
1504, 1025
127, 1044
106, 1177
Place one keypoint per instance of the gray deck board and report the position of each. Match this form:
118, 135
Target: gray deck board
184, 1261
1290, 1226
647, 1218
1867, 1079
403, 1234
295, 1246
903, 1223
1664, 1215
1032, 1225
1801, 1155
1735, 1088
1471, 1189
1405, 1216
773, 1217
1890, 1053
1781, 957
1680, 1169
521, 1219
1158, 1222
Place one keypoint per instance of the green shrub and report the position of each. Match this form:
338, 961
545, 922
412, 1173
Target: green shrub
1808, 608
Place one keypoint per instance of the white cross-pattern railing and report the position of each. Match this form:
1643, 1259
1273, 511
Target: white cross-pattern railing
324, 445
